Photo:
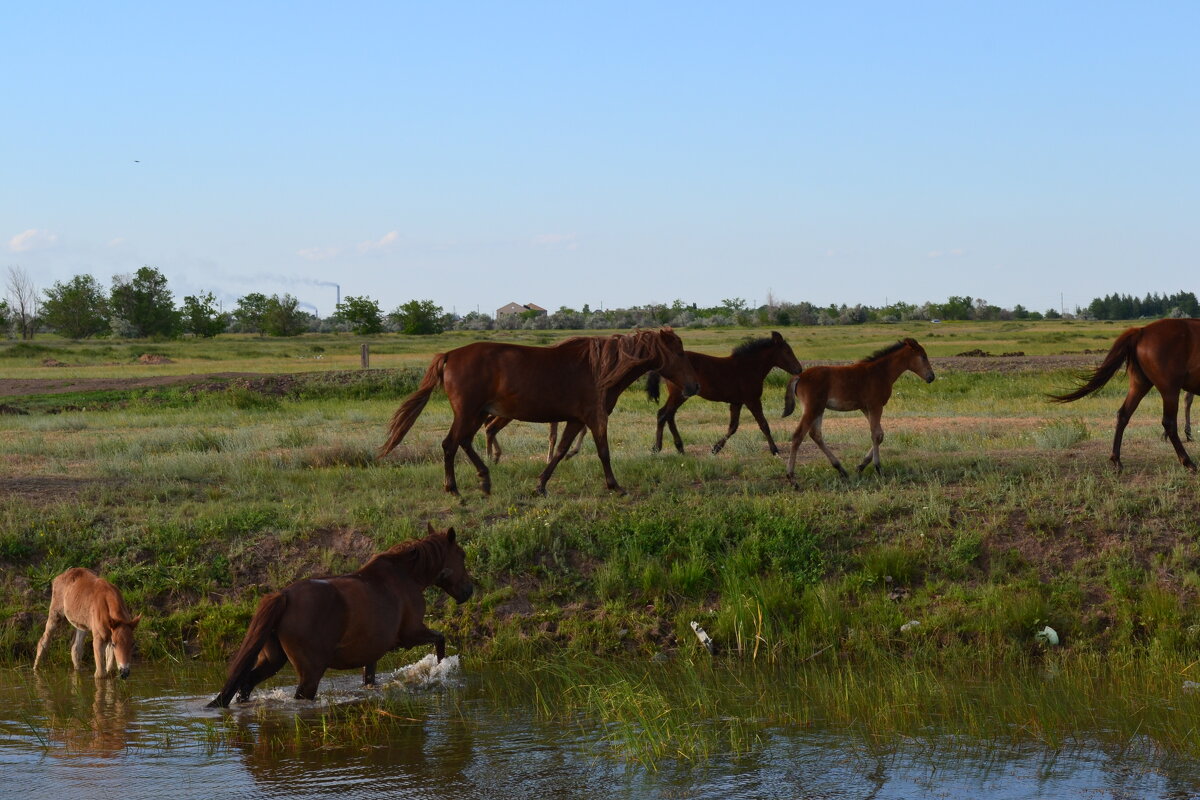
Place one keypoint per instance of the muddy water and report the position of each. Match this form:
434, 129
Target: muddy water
68, 736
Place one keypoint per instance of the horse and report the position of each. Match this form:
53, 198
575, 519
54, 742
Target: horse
1187, 415
865, 386
348, 621
569, 382
494, 424
91, 604
1164, 355
736, 379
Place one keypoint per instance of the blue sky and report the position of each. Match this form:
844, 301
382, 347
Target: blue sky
612, 154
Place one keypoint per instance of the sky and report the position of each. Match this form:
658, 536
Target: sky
609, 154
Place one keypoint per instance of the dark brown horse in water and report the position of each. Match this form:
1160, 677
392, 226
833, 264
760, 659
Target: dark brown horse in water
736, 379
865, 386
569, 382
91, 605
349, 621
1164, 355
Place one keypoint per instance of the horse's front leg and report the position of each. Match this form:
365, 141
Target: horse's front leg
100, 648
1187, 415
369, 674
873, 420
1170, 423
77, 649
815, 433
735, 415
569, 432
425, 635
755, 409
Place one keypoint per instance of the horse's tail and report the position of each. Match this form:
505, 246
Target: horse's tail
789, 397
653, 382
412, 407
262, 626
1123, 350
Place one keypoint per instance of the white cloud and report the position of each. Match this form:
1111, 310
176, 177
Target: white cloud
387, 240
32, 239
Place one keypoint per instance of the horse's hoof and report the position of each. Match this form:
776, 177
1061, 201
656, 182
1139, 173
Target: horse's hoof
658, 448
541, 490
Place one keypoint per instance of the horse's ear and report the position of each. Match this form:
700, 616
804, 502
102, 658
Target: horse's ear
450, 536
429, 527
133, 623
776, 336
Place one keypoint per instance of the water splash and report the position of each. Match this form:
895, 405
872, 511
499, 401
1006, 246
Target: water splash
427, 675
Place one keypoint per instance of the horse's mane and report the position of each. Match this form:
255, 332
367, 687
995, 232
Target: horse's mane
885, 351
613, 357
422, 556
751, 346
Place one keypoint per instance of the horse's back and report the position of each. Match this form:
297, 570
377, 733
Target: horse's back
533, 384
1168, 352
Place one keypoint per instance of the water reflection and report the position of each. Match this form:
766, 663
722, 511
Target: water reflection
150, 737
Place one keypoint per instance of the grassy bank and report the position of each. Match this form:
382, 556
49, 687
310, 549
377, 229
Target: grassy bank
996, 515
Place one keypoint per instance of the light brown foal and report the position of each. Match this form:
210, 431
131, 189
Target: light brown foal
91, 604
865, 386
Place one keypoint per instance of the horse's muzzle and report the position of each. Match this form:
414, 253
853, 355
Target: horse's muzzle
123, 672
465, 594
929, 378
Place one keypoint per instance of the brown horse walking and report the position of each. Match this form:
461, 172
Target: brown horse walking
349, 621
496, 424
865, 386
736, 379
1164, 355
568, 382
91, 604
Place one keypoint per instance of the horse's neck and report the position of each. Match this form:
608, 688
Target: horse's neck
761, 362
406, 563
890, 367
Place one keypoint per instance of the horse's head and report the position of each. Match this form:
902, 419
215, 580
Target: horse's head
673, 362
785, 359
918, 361
453, 578
122, 643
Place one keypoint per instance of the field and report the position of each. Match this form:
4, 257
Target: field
996, 514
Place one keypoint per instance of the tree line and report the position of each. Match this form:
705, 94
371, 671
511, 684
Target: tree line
142, 305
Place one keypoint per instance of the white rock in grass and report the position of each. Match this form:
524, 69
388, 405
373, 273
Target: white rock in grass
908, 626
1047, 636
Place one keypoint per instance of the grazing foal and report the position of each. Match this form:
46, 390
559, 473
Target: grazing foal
865, 386
91, 604
736, 379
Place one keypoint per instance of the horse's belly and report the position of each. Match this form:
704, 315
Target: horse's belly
838, 404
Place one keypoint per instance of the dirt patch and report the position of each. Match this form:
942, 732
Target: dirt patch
29, 387
53, 362
45, 488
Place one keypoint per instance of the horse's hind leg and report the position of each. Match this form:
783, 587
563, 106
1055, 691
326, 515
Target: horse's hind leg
574, 451
52, 622
735, 414
1138, 387
873, 419
1170, 422
1187, 415
494, 426
666, 417
815, 433
270, 660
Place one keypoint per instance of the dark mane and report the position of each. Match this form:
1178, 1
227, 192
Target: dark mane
422, 556
883, 351
751, 346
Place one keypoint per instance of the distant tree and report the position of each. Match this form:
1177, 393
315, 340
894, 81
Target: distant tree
77, 309
4, 315
22, 302
283, 316
141, 305
362, 314
1052, 314
250, 312
419, 318
201, 316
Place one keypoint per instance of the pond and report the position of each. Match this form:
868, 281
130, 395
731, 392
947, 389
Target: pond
482, 732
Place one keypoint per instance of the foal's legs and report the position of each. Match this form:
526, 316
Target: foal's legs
572, 428
755, 409
873, 419
1170, 423
1138, 386
815, 433
52, 622
77, 648
810, 425
494, 426
735, 414
666, 416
